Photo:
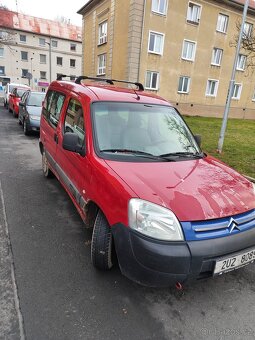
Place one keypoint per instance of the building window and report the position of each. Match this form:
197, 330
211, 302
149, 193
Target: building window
194, 12
152, 80
101, 64
22, 38
241, 61
237, 91
42, 41
72, 47
72, 62
24, 73
159, 6
102, 33
1, 51
43, 58
222, 23
54, 43
2, 70
24, 55
156, 42
42, 75
211, 88
184, 84
247, 30
59, 61
216, 56
188, 50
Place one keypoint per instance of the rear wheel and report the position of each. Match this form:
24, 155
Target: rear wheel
45, 166
102, 243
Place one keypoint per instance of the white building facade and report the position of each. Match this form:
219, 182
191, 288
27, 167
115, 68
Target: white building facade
37, 50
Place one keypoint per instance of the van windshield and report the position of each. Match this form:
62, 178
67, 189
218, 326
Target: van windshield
140, 129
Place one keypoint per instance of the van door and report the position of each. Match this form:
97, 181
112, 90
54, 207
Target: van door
71, 166
52, 107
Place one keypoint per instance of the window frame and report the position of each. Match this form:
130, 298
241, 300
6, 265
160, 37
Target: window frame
40, 59
162, 44
73, 47
194, 50
240, 56
55, 41
101, 70
41, 75
151, 80
3, 68
188, 85
214, 56
158, 9
42, 40
226, 26
240, 85
214, 95
102, 38
2, 54
190, 20
73, 66
247, 35
25, 38
58, 59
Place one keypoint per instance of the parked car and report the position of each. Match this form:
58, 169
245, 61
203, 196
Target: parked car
14, 100
30, 108
8, 89
139, 178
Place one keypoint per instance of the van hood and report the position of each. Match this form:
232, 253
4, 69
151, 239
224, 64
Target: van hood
193, 189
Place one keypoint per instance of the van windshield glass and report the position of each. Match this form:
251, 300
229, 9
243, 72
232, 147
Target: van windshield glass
140, 129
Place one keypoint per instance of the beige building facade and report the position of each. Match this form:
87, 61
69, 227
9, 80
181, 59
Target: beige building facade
181, 50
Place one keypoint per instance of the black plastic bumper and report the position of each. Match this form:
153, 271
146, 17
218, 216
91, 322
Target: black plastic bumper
161, 264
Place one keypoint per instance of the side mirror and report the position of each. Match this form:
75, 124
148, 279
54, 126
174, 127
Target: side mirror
198, 139
71, 143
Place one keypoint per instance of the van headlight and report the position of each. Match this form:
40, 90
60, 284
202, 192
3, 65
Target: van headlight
153, 220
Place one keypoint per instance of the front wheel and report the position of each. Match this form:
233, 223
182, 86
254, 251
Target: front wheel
25, 128
45, 166
102, 243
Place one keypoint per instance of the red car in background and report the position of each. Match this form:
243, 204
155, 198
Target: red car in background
14, 99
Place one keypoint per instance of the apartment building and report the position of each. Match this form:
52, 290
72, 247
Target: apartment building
36, 50
182, 50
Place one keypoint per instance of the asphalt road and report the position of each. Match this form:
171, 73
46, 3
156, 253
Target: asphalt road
49, 289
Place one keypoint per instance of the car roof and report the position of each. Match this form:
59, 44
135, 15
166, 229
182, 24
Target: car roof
101, 92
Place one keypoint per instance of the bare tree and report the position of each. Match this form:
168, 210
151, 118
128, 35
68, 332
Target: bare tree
247, 44
63, 20
7, 37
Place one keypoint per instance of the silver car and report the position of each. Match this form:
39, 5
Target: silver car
30, 108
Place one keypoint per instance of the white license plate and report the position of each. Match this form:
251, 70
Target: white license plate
230, 263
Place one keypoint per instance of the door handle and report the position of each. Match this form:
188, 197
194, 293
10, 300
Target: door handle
56, 138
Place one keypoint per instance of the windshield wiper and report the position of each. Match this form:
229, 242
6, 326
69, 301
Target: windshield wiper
139, 153
183, 154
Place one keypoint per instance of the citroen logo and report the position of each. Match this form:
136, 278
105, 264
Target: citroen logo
232, 225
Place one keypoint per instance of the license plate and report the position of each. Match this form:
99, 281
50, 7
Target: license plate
230, 263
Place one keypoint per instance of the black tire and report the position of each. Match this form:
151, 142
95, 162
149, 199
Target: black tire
102, 243
25, 129
9, 109
20, 122
45, 166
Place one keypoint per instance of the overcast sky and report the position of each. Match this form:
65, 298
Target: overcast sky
49, 9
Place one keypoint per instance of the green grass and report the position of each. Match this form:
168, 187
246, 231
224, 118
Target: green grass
239, 143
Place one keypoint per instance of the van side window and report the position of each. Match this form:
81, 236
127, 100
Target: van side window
74, 120
52, 107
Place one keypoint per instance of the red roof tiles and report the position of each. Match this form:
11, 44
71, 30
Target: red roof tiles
27, 23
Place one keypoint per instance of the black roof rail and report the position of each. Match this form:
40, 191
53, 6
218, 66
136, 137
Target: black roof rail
61, 76
110, 81
79, 79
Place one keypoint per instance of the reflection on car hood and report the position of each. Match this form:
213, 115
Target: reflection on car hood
34, 110
194, 189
